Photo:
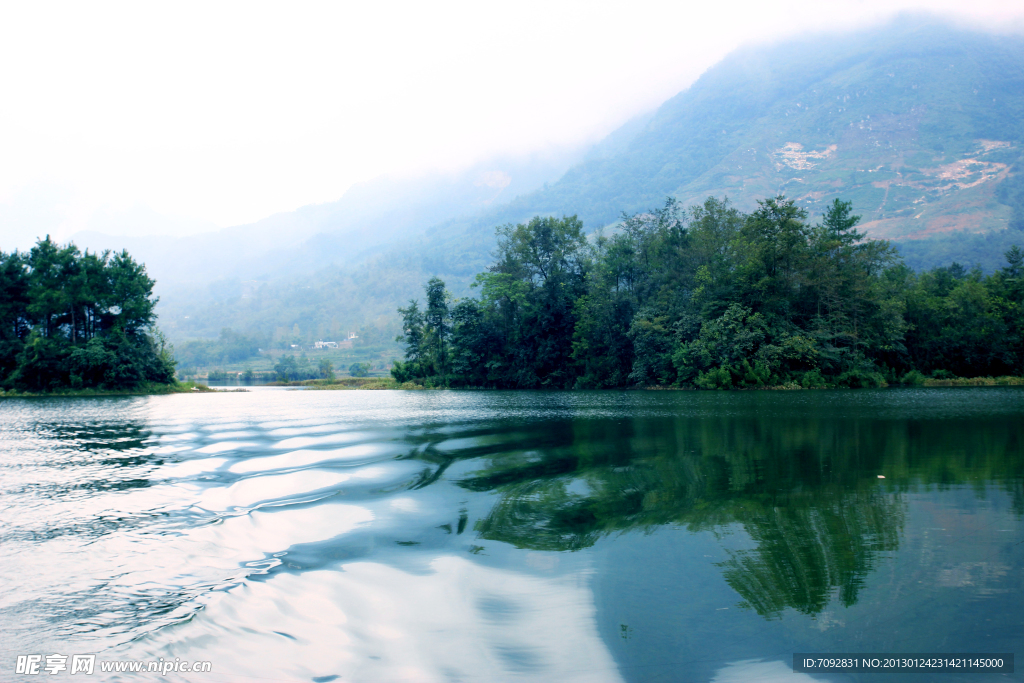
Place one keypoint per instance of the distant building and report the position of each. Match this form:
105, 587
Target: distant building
325, 345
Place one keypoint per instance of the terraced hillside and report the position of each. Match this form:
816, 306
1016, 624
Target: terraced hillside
917, 124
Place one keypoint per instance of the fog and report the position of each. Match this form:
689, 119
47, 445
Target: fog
138, 120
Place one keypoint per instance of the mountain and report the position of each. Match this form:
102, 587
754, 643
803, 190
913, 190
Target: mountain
920, 124
917, 123
368, 217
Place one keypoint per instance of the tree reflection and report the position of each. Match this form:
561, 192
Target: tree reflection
808, 549
806, 492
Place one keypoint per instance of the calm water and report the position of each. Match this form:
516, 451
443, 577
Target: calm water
478, 536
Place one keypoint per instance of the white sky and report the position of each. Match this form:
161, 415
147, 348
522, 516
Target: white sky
215, 114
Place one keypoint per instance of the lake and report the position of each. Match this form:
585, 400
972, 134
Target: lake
478, 536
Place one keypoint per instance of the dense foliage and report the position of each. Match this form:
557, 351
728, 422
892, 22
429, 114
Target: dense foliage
74, 320
713, 298
290, 369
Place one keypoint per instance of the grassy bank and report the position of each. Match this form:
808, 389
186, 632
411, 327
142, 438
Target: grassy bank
975, 382
149, 389
349, 383
389, 383
925, 382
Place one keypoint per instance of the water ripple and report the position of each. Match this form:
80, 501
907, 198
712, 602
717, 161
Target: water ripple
431, 535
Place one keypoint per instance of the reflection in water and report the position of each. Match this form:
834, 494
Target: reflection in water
809, 545
806, 491
424, 535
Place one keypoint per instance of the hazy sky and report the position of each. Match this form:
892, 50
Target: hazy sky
175, 117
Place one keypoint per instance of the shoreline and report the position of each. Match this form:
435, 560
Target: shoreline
389, 384
382, 383
151, 389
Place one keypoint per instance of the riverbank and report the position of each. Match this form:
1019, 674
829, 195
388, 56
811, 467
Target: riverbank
149, 389
388, 383
922, 381
975, 382
350, 383
927, 382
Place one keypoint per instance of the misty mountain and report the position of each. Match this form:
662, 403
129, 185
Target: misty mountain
368, 217
918, 123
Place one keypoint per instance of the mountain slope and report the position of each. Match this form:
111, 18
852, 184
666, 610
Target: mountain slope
884, 118
369, 217
919, 124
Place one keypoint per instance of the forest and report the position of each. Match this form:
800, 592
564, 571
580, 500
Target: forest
711, 298
73, 320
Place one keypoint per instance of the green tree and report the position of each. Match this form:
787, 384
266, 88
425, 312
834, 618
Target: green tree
530, 294
772, 254
412, 337
14, 323
69, 319
287, 368
475, 345
437, 324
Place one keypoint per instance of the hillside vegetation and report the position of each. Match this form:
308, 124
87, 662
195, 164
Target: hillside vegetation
918, 124
713, 299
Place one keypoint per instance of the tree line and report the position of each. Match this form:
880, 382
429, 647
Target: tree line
74, 320
713, 298
290, 369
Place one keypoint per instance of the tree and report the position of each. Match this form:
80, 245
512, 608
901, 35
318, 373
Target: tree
14, 323
287, 368
437, 323
359, 369
69, 319
772, 253
475, 345
530, 294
